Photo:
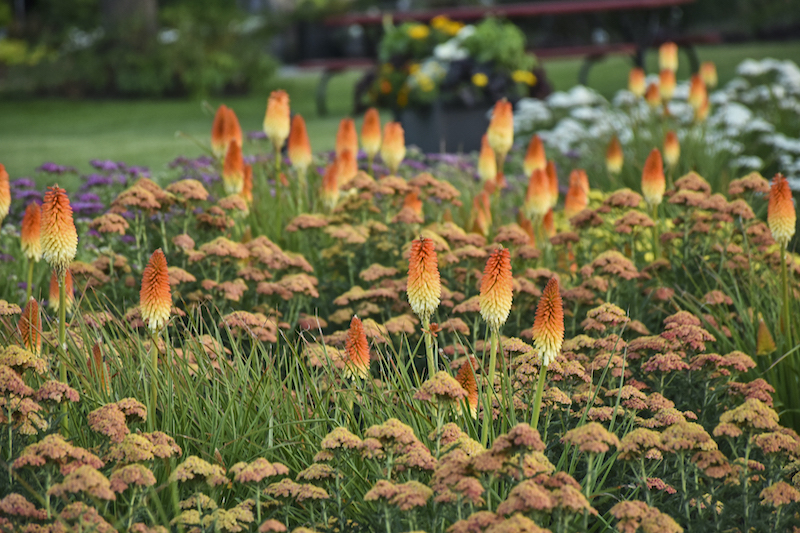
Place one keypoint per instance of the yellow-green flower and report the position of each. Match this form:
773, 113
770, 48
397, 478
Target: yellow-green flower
524, 76
419, 31
479, 79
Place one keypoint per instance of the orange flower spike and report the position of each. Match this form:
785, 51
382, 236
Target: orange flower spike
59, 237
5, 193
329, 189
155, 298
501, 128
548, 327
577, 198
30, 326
30, 232
653, 96
482, 213
614, 156
535, 157
537, 198
668, 57
781, 215
53, 302
637, 83
277, 120
672, 148
487, 162
666, 80
466, 378
371, 133
496, 289
347, 166
233, 170
579, 178
413, 202
424, 286
708, 73
299, 147
552, 182
346, 137
219, 129
247, 185
701, 114
393, 148
697, 92
549, 224
653, 182
356, 351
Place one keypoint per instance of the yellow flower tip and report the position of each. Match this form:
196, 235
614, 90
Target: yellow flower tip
614, 156
54, 302
667, 82
299, 147
668, 57
233, 169
59, 238
487, 162
393, 148
30, 232
5, 193
356, 351
371, 132
277, 119
781, 215
424, 286
535, 157
30, 327
697, 92
548, 327
653, 182
346, 137
537, 198
672, 148
155, 298
653, 96
501, 128
496, 289
637, 81
708, 73
552, 182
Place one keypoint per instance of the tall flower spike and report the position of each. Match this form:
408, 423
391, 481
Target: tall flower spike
356, 351
701, 113
697, 92
501, 128
653, 96
276, 121
614, 156
637, 83
30, 233
496, 289
577, 198
535, 157
424, 286
708, 72
30, 326
233, 169
487, 162
466, 378
347, 166
155, 298
53, 302
781, 215
666, 84
653, 182
219, 140
329, 189
371, 133
548, 328
668, 57
481, 214
247, 185
537, 198
552, 182
58, 235
5, 193
299, 147
346, 137
672, 148
578, 177
393, 148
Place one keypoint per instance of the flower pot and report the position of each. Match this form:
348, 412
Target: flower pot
441, 128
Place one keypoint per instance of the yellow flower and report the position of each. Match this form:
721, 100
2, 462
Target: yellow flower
419, 31
479, 79
524, 76
413, 68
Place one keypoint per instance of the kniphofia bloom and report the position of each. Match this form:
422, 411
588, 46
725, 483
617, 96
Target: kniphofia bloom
614, 156
225, 129
5, 193
653, 182
54, 301
535, 157
552, 182
30, 326
155, 297
30, 232
356, 351
781, 215
424, 286
347, 166
346, 137
537, 198
487, 162
299, 147
548, 327
233, 169
672, 148
637, 81
482, 213
653, 96
329, 189
666, 84
371, 133
466, 378
697, 92
708, 72
577, 197
501, 128
668, 56
277, 119
58, 234
496, 289
393, 148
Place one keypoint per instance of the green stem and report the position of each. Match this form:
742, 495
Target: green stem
277, 160
62, 335
787, 329
656, 236
153, 380
29, 289
492, 357
537, 402
426, 326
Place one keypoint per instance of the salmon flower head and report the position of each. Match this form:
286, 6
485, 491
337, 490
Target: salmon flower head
30, 232
5, 193
347, 166
424, 286
393, 148
637, 81
466, 378
30, 327
225, 129
233, 170
299, 147
697, 92
537, 198
614, 156
496, 289
701, 113
552, 182
413, 202
548, 327
371, 132
666, 84
579, 178
58, 234
668, 57
672, 148
653, 96
708, 72
54, 302
487, 162
346, 137
482, 213
155, 298
356, 351
535, 157
653, 182
781, 215
501, 128
329, 189
577, 197
276, 121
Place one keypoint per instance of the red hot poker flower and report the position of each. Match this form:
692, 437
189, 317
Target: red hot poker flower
496, 289
30, 233
356, 351
781, 215
548, 328
424, 286
155, 297
58, 234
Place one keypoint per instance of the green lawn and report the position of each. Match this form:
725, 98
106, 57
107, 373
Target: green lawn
145, 132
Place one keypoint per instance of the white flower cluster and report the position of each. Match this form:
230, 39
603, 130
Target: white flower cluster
451, 50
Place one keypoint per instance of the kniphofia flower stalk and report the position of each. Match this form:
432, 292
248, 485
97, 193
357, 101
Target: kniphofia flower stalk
538, 201
346, 137
614, 156
782, 219
666, 85
552, 182
637, 81
697, 92
653, 186
708, 72
329, 188
424, 289
577, 197
371, 135
277, 123
5, 193
347, 166
668, 57
356, 351
393, 148
155, 300
548, 336
233, 170
225, 129
535, 157
501, 131
672, 149
299, 149
30, 240
481, 215
653, 96
54, 293
487, 162
466, 378
495, 299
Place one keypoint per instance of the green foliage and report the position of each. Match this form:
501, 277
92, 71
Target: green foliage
501, 44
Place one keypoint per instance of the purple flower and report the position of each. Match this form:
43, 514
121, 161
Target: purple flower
22, 285
6, 258
29, 195
93, 233
128, 239
87, 197
106, 165
142, 172
416, 165
53, 168
249, 159
23, 183
87, 208
97, 180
